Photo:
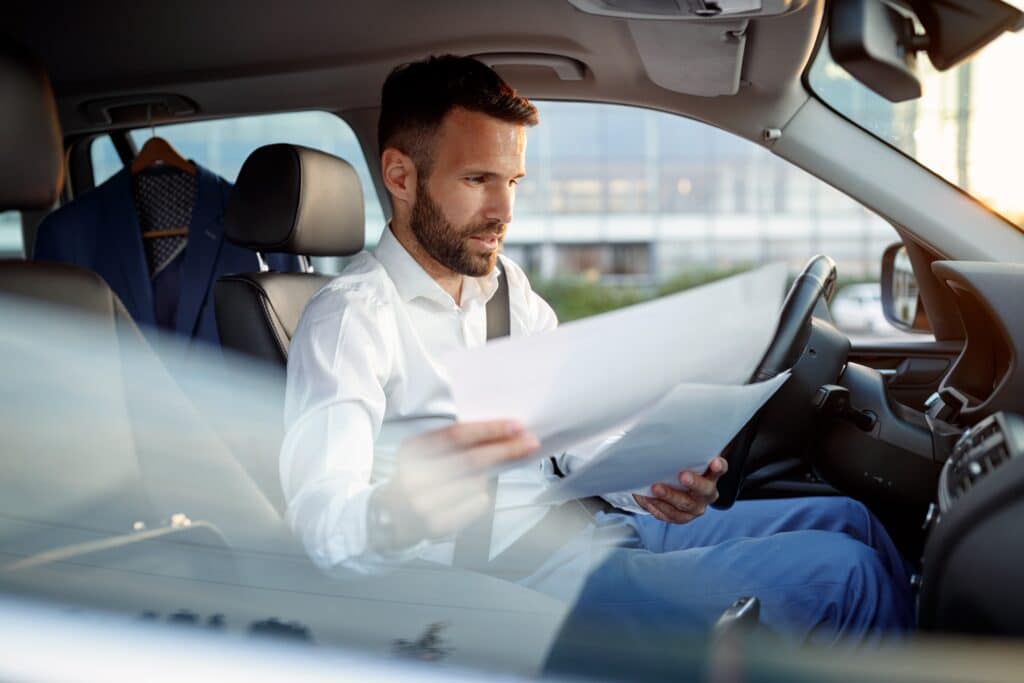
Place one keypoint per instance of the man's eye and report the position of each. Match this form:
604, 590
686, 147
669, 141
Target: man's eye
514, 182
475, 179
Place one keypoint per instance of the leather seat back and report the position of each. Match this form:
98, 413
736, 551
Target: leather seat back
257, 313
65, 286
295, 200
61, 352
32, 165
98, 435
53, 313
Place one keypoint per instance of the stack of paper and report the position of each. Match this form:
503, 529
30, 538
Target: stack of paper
672, 371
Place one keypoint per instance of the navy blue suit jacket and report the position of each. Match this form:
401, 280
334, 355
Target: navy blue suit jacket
100, 231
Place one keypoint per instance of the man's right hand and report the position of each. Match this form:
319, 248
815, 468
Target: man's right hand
439, 484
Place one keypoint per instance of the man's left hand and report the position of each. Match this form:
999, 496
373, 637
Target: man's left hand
682, 504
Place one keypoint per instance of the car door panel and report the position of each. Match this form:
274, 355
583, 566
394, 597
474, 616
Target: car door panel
913, 369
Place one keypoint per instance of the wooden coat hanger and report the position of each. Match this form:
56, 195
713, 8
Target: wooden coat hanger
158, 152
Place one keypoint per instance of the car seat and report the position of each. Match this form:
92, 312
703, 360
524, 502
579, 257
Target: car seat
295, 200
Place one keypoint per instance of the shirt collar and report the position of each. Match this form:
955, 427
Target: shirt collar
412, 282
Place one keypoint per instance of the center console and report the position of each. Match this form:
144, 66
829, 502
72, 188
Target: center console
978, 454
974, 554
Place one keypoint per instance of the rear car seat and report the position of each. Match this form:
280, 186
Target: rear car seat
35, 456
81, 385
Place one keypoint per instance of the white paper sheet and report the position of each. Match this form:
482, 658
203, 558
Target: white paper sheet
688, 427
591, 376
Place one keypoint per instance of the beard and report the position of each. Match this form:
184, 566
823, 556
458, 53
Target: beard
449, 245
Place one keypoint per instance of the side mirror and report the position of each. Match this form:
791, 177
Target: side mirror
876, 44
901, 298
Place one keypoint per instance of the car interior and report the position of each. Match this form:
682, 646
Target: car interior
186, 523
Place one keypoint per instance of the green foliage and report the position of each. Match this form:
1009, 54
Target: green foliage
845, 281
695, 277
574, 298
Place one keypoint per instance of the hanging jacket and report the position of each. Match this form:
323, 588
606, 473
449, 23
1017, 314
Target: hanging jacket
101, 231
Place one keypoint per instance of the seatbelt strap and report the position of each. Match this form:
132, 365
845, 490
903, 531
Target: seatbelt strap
559, 524
473, 544
499, 313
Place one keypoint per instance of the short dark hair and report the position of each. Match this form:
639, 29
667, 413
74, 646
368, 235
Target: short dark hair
417, 96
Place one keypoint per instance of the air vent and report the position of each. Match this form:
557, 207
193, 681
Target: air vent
979, 450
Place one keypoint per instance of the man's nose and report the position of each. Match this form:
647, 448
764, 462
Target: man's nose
499, 205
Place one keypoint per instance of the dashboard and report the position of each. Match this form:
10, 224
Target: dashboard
962, 458
973, 554
987, 377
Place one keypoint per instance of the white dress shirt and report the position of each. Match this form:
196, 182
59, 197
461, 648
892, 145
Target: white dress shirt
363, 377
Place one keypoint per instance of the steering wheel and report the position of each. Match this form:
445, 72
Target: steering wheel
816, 280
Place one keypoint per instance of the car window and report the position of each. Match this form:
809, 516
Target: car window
105, 161
11, 241
223, 145
622, 204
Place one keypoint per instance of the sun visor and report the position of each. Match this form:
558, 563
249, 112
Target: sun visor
694, 59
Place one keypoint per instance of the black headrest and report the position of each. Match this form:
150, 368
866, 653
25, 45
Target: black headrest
31, 148
296, 200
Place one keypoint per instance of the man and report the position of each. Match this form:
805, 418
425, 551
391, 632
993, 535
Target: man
376, 471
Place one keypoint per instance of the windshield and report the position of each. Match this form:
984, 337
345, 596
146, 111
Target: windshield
964, 127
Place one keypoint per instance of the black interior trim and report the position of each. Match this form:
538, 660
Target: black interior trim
124, 146
939, 305
80, 174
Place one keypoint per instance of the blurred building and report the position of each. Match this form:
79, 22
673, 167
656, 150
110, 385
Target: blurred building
623, 193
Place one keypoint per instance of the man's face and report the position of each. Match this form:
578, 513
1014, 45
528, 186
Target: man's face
462, 210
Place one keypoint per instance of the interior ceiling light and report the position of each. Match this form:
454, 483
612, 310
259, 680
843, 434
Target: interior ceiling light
686, 9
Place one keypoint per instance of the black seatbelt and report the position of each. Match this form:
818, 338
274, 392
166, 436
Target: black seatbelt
473, 544
499, 315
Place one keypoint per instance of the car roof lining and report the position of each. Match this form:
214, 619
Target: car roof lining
318, 54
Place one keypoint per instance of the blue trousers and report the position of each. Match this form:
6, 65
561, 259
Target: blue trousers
824, 569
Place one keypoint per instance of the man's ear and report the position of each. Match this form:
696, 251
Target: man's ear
399, 175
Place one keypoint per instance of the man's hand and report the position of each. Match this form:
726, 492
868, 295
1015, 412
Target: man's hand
690, 500
439, 484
